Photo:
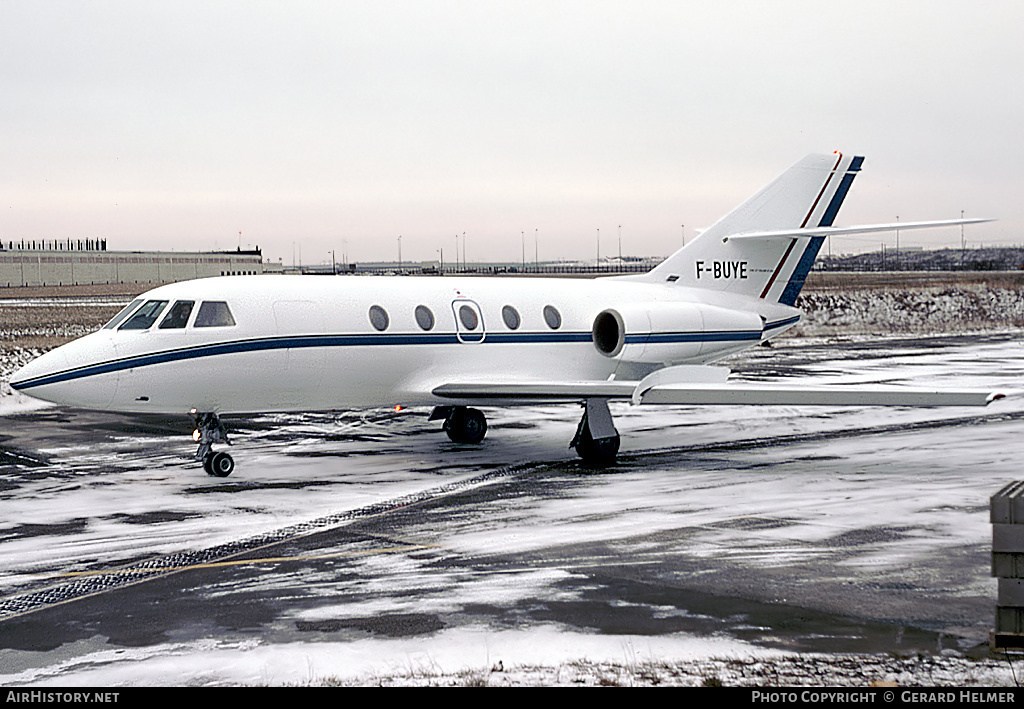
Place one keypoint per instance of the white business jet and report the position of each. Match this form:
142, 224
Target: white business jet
249, 344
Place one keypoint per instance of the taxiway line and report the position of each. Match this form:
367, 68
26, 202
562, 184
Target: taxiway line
245, 562
85, 583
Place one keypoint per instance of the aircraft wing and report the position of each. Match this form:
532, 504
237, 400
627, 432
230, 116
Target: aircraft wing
836, 395
536, 391
715, 393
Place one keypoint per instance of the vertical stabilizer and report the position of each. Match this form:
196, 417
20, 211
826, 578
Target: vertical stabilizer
807, 195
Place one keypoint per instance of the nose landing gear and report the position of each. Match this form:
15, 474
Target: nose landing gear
210, 430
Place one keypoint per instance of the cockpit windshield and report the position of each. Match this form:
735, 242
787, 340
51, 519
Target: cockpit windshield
177, 316
145, 316
140, 315
123, 313
214, 313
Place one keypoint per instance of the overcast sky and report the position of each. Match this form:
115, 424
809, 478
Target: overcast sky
341, 125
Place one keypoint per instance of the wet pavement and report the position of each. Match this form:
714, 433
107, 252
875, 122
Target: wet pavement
817, 529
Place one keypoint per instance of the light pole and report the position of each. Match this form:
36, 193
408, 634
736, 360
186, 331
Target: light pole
896, 267
334, 270
963, 242
399, 252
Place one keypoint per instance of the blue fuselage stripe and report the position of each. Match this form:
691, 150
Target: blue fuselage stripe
781, 323
330, 341
682, 337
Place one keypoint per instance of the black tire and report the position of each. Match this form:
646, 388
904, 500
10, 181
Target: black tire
466, 426
600, 452
219, 464
474, 426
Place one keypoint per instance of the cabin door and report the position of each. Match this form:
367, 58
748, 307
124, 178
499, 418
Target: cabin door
469, 321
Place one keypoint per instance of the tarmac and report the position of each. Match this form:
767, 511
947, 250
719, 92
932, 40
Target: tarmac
725, 531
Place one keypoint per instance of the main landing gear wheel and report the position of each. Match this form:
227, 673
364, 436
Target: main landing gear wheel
597, 452
210, 430
463, 425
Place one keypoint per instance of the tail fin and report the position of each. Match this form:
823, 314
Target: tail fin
807, 195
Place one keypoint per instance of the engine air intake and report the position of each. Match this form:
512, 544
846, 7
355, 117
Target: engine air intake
609, 333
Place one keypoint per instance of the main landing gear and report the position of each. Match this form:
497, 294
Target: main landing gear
210, 430
462, 424
596, 440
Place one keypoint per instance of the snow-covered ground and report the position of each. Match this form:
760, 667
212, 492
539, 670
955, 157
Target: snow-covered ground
947, 307
879, 514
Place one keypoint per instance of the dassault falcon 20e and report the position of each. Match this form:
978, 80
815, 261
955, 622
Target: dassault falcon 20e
249, 344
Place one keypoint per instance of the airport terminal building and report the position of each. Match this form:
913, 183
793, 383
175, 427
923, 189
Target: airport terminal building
87, 262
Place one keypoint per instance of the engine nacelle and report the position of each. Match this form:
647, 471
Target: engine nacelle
609, 333
668, 333
614, 328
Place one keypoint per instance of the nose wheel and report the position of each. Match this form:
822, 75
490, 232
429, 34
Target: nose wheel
219, 464
210, 430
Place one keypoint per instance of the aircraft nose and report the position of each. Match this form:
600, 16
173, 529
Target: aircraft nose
40, 368
77, 374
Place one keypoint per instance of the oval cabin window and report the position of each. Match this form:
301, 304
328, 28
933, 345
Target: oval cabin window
552, 317
379, 318
424, 318
468, 317
511, 317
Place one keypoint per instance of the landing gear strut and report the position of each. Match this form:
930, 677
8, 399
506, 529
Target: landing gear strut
596, 440
463, 425
210, 430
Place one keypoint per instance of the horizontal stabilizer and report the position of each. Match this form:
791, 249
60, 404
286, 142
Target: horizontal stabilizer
844, 230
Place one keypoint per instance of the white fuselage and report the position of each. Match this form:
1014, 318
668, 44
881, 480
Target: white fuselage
309, 343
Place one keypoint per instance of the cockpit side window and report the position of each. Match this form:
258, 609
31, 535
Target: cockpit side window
145, 316
214, 313
123, 313
177, 316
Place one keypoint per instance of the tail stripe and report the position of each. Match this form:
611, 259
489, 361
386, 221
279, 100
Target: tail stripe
785, 256
803, 267
837, 200
775, 274
796, 281
824, 187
